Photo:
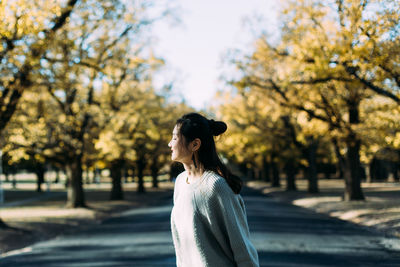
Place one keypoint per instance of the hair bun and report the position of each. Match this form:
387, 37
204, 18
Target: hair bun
217, 127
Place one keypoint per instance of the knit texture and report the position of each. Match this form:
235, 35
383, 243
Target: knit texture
209, 225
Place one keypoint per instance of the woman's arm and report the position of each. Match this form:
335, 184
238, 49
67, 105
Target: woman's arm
226, 216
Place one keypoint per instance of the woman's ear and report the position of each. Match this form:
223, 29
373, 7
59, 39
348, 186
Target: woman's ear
196, 143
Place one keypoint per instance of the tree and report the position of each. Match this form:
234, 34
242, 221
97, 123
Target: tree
374, 28
25, 30
72, 68
79, 64
260, 135
27, 134
380, 133
309, 69
163, 122
126, 103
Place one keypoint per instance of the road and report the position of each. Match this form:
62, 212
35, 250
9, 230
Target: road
284, 235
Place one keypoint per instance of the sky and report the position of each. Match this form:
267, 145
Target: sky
195, 49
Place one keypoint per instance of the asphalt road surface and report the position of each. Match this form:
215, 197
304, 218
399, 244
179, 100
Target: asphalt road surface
284, 235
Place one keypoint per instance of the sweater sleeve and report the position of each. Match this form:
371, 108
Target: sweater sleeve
175, 236
226, 216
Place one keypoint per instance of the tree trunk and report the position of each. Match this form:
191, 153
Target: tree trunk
67, 177
266, 170
368, 173
328, 170
312, 166
341, 165
353, 189
57, 180
290, 176
275, 175
133, 170
154, 171
352, 173
140, 168
154, 175
116, 174
39, 171
250, 174
125, 174
76, 197
87, 177
394, 170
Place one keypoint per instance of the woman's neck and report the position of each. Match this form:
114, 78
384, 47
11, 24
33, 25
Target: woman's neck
193, 173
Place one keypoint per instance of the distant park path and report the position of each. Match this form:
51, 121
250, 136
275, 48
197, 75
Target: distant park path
284, 235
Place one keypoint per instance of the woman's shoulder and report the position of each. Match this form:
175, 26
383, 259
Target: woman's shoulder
213, 193
215, 183
182, 176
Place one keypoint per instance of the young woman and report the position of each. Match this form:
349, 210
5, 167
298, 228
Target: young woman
208, 220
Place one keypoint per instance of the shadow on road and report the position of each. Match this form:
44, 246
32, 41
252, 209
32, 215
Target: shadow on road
284, 235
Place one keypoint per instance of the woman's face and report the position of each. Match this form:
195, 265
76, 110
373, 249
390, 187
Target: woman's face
179, 152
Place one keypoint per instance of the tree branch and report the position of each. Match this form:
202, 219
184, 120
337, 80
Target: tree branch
370, 85
22, 78
322, 80
60, 21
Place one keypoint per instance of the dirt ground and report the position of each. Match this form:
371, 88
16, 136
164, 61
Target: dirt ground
41, 216
380, 210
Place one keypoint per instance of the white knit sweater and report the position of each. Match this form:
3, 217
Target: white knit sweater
209, 224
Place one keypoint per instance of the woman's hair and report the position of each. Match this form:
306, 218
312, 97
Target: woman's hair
194, 125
